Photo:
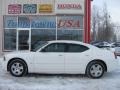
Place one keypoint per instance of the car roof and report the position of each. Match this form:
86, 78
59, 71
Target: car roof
69, 41
64, 41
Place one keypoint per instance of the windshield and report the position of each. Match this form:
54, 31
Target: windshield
38, 45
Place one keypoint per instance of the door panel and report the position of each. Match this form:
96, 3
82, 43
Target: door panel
51, 59
75, 62
76, 58
49, 62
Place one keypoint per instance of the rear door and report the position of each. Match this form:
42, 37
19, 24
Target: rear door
75, 58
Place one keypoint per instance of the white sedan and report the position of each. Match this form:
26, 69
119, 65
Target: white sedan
61, 57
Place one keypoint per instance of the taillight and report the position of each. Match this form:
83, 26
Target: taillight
115, 55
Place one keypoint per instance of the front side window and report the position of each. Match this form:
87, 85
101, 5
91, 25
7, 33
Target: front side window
56, 47
77, 48
38, 45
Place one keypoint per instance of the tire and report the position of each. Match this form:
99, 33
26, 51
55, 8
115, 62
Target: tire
17, 68
95, 69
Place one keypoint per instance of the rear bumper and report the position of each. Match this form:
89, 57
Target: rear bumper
113, 66
117, 54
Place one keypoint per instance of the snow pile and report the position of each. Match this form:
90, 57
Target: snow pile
110, 81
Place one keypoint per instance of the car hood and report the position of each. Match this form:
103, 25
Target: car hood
18, 52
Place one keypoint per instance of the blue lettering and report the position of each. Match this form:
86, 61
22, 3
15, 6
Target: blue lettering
24, 24
43, 24
11, 24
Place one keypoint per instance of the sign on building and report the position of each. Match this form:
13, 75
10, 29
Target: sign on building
30, 8
70, 22
45, 8
69, 7
14, 9
43, 22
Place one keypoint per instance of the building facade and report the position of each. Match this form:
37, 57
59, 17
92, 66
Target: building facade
26, 23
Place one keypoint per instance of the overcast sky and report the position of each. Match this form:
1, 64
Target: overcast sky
113, 8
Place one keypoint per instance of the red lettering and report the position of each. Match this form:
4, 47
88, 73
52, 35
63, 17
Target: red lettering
69, 6
79, 6
69, 23
76, 24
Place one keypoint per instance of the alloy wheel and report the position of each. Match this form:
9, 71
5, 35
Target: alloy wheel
17, 68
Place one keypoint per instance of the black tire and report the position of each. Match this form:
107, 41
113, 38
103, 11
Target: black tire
18, 68
95, 69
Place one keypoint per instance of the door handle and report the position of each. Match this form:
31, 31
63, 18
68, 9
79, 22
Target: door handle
86, 55
60, 55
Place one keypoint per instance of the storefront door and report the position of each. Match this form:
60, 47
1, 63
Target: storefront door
23, 39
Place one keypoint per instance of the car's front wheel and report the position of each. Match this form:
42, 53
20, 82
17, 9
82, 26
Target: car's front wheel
95, 69
17, 68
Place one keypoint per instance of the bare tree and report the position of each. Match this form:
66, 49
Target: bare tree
102, 25
107, 25
95, 22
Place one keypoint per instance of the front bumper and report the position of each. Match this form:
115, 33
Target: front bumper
4, 63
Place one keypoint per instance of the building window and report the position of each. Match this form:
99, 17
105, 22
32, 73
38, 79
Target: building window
70, 35
10, 22
70, 28
10, 39
43, 28
10, 25
39, 36
23, 22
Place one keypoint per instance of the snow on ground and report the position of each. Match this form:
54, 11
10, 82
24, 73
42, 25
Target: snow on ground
110, 81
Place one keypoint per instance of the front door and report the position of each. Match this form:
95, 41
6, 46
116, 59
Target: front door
50, 59
23, 39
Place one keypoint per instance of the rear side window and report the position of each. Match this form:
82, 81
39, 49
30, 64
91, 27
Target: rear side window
76, 48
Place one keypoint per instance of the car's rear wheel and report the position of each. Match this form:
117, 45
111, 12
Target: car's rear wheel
95, 69
17, 68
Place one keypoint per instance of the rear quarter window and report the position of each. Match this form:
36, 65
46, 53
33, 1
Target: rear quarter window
76, 48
